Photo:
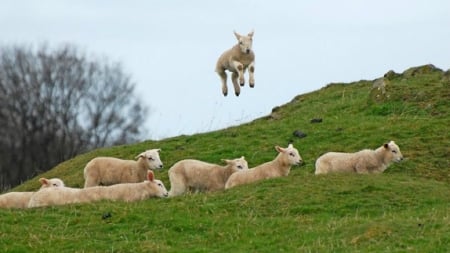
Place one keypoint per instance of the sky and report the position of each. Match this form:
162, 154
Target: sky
170, 48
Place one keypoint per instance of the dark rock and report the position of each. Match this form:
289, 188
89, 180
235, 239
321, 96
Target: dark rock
316, 120
299, 134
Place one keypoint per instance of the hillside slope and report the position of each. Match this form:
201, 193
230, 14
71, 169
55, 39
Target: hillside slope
405, 209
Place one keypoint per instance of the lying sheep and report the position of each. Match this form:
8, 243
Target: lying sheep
279, 167
364, 161
201, 176
109, 170
237, 60
127, 192
21, 199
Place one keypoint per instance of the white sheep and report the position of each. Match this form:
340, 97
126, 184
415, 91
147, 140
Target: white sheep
197, 175
127, 192
237, 60
364, 161
21, 199
110, 170
278, 167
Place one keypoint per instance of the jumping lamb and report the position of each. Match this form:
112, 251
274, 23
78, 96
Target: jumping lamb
197, 175
21, 199
365, 161
127, 192
279, 167
237, 60
109, 170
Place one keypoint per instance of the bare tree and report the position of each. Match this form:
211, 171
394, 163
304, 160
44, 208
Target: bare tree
55, 104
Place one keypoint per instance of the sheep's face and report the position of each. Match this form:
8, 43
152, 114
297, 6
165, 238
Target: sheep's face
238, 164
152, 158
162, 191
53, 182
245, 42
291, 154
393, 151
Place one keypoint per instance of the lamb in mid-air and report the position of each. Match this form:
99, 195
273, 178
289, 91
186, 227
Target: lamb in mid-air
237, 60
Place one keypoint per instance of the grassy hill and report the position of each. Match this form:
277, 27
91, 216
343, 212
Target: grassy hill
406, 209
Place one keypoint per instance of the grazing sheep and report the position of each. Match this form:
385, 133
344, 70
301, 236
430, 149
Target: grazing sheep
201, 176
279, 167
237, 60
127, 192
109, 170
364, 161
21, 199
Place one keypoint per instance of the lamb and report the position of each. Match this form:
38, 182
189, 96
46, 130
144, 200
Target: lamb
278, 167
21, 199
365, 161
127, 192
197, 175
237, 60
109, 170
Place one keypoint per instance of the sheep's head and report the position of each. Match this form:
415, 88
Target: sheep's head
53, 182
291, 154
237, 164
152, 158
157, 185
245, 42
394, 153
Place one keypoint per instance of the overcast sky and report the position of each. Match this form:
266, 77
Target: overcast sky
170, 48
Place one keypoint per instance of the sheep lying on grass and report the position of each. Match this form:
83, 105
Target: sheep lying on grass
279, 167
127, 192
109, 170
364, 161
237, 60
21, 199
201, 176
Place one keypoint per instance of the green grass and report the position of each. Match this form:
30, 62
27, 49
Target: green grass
405, 209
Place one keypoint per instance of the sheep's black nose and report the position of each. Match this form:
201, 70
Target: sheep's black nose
248, 51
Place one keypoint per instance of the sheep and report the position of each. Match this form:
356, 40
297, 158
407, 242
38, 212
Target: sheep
109, 170
127, 192
278, 167
237, 60
365, 161
197, 175
21, 199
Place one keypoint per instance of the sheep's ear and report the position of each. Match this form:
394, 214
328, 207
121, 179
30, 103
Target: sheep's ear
150, 176
243, 157
159, 150
140, 155
279, 149
226, 161
238, 36
43, 181
290, 145
386, 145
251, 33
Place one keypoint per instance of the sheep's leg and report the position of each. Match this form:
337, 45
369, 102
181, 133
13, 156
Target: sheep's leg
223, 77
234, 78
251, 72
239, 67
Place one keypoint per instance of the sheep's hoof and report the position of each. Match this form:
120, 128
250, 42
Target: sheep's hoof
252, 85
225, 94
242, 84
237, 94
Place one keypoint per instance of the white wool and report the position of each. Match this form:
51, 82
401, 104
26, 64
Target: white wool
364, 161
195, 175
110, 170
237, 60
278, 167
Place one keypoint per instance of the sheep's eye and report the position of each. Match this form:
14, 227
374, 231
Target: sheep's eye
394, 151
291, 154
159, 184
55, 185
151, 159
239, 167
240, 43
